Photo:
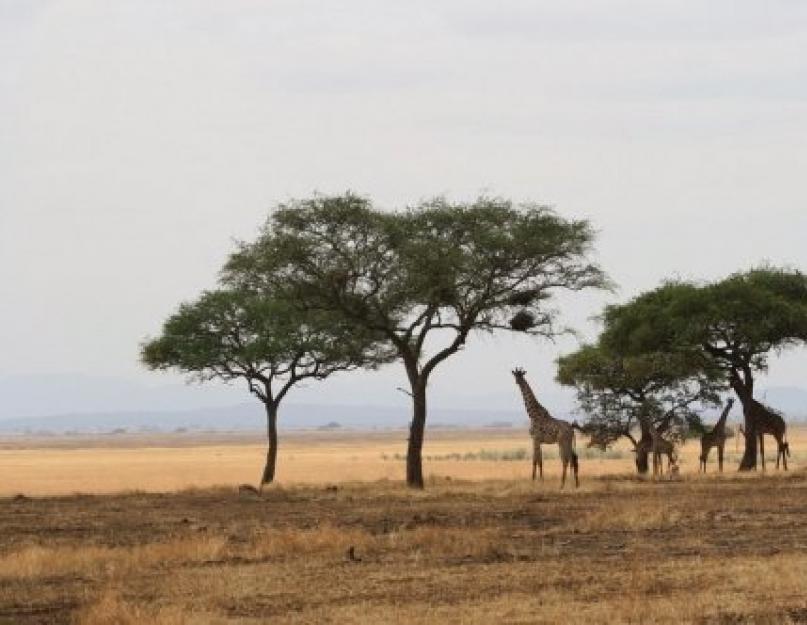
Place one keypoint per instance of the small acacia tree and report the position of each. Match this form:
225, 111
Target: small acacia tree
230, 335
620, 394
424, 279
734, 324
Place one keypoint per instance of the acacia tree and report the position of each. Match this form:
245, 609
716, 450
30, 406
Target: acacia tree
619, 394
231, 335
424, 278
735, 323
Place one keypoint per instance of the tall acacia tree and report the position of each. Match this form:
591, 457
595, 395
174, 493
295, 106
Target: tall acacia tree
424, 278
736, 323
231, 335
623, 394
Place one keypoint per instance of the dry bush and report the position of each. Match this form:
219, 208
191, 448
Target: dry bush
443, 541
38, 561
331, 541
292, 542
630, 515
111, 609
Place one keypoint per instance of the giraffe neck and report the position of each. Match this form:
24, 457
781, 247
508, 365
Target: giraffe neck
534, 409
721, 422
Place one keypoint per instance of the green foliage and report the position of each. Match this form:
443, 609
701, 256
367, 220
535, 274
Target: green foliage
424, 278
737, 322
732, 325
230, 334
438, 267
621, 393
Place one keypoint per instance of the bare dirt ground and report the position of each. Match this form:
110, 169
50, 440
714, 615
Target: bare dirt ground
715, 549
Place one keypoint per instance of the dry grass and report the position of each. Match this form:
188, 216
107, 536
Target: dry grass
110, 609
707, 549
62, 466
38, 561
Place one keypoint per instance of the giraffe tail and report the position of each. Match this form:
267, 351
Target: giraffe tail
575, 465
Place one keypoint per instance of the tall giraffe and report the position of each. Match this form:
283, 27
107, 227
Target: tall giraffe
659, 446
769, 421
545, 428
715, 438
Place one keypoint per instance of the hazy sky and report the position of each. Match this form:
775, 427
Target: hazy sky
137, 139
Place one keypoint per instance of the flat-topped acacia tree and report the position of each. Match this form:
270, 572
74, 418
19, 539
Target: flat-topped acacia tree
735, 323
622, 394
424, 278
230, 335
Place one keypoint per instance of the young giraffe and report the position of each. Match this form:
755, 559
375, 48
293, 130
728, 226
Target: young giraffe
545, 428
661, 446
771, 422
715, 438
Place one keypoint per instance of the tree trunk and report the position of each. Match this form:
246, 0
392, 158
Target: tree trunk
271, 453
414, 458
645, 445
643, 449
749, 459
744, 388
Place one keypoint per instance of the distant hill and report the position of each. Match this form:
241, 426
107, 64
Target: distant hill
39, 395
250, 416
63, 403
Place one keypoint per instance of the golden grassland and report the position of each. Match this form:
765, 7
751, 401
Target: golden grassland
163, 463
481, 544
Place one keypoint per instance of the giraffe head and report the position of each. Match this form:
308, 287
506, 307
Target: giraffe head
519, 373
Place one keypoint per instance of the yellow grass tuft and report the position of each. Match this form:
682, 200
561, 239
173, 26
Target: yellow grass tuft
293, 542
111, 609
39, 561
630, 516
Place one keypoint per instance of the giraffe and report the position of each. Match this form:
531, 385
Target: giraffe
715, 438
769, 421
661, 446
545, 428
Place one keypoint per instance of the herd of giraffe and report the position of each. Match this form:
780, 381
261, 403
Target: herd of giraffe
546, 429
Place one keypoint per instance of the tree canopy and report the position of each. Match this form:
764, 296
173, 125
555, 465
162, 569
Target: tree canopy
734, 324
231, 334
622, 394
424, 278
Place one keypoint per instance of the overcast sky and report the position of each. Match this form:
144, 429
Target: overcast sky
138, 139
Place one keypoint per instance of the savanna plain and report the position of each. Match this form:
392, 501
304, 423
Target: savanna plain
152, 529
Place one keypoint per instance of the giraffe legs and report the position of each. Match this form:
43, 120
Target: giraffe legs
720, 458
703, 459
537, 460
762, 449
563, 477
781, 451
568, 456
